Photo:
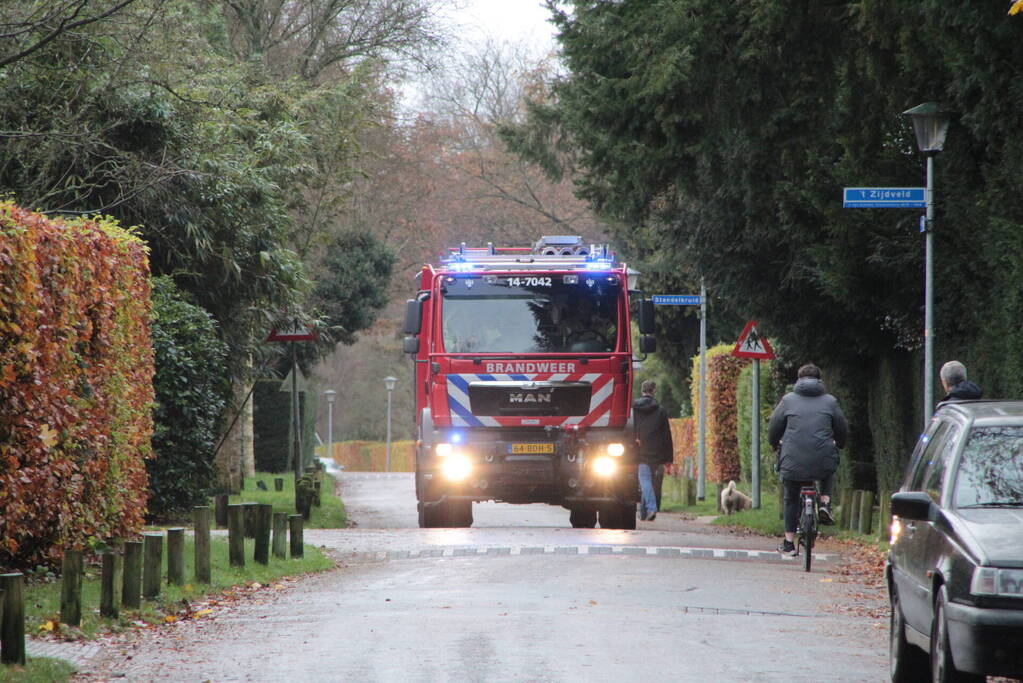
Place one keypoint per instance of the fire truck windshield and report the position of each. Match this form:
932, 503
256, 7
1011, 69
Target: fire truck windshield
531, 314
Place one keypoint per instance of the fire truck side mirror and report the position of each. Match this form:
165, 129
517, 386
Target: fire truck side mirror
413, 316
411, 344
647, 344
646, 316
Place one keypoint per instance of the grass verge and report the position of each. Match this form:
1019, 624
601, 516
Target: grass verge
330, 514
37, 670
42, 600
766, 520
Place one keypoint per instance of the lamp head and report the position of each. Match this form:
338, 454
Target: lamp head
930, 123
389, 382
330, 394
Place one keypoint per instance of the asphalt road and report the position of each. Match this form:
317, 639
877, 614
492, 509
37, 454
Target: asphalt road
523, 597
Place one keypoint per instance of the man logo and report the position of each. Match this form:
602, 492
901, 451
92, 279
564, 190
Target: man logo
529, 397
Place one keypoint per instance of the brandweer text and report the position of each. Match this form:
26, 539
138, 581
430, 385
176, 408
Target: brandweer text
530, 367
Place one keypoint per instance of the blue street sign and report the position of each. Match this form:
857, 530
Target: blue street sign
885, 197
677, 299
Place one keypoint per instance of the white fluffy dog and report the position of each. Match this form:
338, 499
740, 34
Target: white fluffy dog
733, 500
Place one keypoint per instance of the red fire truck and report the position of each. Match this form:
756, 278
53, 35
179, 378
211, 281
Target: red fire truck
523, 366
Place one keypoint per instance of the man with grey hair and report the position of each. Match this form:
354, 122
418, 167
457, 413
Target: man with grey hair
957, 387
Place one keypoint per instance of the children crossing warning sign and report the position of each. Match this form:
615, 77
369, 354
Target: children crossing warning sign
752, 344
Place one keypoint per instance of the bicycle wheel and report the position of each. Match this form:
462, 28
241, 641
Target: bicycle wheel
807, 536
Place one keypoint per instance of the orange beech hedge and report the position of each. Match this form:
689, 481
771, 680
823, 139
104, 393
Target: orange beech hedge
76, 391
371, 456
683, 438
722, 419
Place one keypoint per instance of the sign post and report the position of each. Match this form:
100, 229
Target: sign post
911, 198
701, 301
753, 345
293, 335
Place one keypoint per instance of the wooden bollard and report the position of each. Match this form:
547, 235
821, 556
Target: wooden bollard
866, 512
264, 515
278, 483
152, 564
884, 516
131, 580
295, 526
107, 584
854, 510
71, 588
12, 625
844, 509
176, 556
280, 534
316, 493
201, 561
236, 534
250, 519
220, 509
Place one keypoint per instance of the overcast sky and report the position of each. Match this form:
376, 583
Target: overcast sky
518, 21
473, 22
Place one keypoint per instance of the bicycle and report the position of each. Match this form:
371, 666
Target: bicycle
809, 522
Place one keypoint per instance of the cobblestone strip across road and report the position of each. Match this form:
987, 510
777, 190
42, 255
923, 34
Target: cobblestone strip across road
658, 551
78, 654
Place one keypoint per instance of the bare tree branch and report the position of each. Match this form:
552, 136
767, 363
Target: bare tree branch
67, 17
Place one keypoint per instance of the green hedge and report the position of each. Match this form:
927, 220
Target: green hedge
190, 389
272, 420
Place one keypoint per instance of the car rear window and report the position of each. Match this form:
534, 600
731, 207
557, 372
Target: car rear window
991, 469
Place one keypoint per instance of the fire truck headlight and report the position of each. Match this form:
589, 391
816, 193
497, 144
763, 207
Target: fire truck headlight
616, 450
444, 449
456, 467
604, 466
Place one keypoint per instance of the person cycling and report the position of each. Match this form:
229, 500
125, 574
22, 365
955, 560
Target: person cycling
809, 427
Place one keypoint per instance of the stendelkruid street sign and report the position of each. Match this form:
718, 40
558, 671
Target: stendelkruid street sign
885, 197
677, 299
752, 345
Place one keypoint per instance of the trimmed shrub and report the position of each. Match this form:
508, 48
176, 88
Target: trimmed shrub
722, 444
190, 389
271, 426
371, 456
76, 384
272, 419
683, 438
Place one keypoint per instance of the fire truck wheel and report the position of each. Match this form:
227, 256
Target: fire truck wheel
628, 516
610, 516
429, 516
459, 513
583, 519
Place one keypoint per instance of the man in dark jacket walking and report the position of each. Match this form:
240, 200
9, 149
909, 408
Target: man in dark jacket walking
957, 387
653, 433
809, 427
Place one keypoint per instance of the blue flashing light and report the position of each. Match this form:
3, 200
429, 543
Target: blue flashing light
599, 265
456, 437
463, 267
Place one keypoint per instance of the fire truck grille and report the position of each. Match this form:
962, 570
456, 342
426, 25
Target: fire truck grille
566, 399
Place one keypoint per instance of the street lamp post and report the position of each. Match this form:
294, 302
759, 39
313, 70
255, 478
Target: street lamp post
389, 382
330, 394
930, 123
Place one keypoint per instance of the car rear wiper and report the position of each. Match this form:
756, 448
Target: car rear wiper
995, 504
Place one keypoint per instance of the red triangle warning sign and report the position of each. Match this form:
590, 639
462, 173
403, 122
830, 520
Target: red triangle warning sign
752, 344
